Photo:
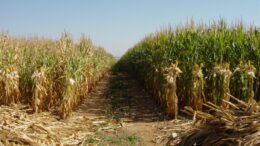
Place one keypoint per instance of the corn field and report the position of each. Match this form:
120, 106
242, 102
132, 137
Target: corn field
193, 64
49, 74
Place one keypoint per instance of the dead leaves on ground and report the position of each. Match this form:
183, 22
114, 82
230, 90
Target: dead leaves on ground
237, 126
42, 129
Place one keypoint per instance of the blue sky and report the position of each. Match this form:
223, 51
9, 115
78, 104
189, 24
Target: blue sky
116, 25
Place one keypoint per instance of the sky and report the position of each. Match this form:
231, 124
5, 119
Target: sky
117, 25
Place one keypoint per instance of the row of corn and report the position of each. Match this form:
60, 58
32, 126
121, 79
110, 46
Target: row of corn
196, 63
49, 74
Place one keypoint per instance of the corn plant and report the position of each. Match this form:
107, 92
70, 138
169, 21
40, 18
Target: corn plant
197, 89
171, 88
49, 74
219, 47
220, 77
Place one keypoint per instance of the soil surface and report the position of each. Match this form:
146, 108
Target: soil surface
135, 109
118, 111
125, 103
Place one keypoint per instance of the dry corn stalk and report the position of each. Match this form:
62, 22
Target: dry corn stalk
69, 99
197, 87
232, 127
9, 79
40, 89
65, 42
84, 88
171, 89
251, 75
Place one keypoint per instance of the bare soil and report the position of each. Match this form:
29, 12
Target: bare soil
130, 106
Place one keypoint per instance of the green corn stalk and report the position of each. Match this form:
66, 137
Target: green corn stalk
217, 43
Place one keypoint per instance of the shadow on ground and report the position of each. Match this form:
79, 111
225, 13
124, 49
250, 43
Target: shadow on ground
130, 102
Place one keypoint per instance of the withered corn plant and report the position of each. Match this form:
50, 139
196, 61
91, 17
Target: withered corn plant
197, 89
9, 79
171, 88
49, 74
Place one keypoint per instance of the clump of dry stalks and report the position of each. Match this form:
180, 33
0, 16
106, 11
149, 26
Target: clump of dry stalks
171, 89
40, 90
9, 85
19, 128
197, 88
69, 100
238, 125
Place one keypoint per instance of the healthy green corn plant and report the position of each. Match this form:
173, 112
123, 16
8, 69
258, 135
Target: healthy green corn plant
219, 47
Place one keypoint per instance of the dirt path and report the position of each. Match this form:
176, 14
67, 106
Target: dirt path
118, 111
142, 121
132, 106
118, 103
123, 113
